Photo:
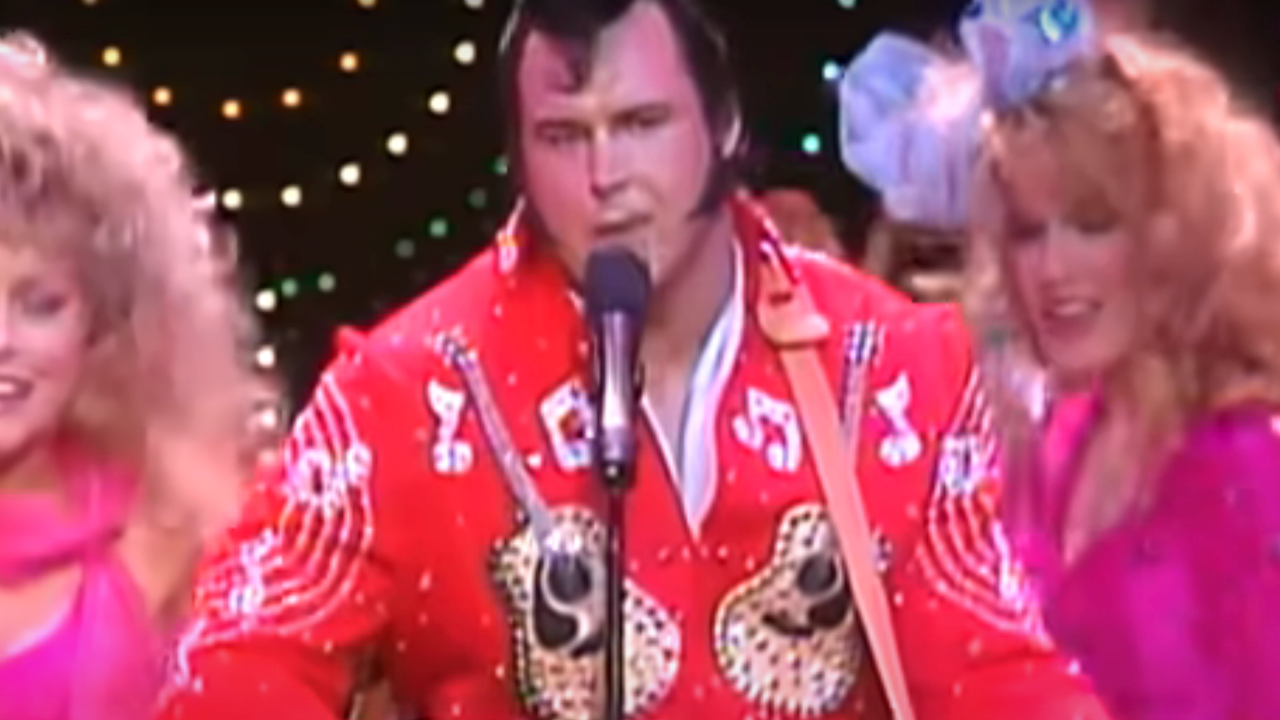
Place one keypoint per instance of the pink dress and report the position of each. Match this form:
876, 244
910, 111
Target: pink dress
1174, 613
102, 660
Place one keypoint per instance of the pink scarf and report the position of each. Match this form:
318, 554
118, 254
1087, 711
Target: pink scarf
103, 659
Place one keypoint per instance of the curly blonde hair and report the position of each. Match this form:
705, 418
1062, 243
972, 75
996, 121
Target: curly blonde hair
1155, 136
169, 386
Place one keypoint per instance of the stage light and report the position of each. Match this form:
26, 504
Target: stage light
465, 52
811, 144
291, 196
473, 4
500, 165
268, 419
847, 4
326, 282
349, 174
162, 96
438, 228
265, 357
232, 109
291, 97
266, 300
397, 143
439, 102
404, 248
477, 198
111, 56
232, 199
349, 62
367, 4
289, 287
831, 71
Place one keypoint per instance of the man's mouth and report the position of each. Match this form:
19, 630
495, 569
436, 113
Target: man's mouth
621, 226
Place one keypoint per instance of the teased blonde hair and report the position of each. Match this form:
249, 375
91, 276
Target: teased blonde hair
169, 387
1194, 176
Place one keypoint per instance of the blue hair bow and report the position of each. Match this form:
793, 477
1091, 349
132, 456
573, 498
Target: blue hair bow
910, 131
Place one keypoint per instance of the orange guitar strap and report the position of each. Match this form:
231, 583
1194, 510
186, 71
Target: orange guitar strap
789, 319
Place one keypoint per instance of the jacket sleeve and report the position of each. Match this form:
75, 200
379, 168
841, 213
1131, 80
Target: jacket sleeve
295, 598
968, 625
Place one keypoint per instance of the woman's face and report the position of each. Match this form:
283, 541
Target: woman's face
1069, 263
44, 330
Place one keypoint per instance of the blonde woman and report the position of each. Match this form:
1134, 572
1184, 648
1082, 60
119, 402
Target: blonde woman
125, 398
1125, 224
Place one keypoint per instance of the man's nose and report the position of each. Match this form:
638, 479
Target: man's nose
609, 163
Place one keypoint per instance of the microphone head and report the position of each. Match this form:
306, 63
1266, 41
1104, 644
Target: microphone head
616, 281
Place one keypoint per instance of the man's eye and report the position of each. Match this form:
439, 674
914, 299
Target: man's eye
560, 135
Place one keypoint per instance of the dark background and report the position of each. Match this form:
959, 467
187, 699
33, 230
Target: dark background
346, 255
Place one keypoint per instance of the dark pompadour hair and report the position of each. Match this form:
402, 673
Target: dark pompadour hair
575, 25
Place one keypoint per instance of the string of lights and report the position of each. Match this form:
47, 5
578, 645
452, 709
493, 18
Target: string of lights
365, 137
318, 186
348, 174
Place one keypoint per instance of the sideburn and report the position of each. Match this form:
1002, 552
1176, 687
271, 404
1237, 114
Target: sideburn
721, 180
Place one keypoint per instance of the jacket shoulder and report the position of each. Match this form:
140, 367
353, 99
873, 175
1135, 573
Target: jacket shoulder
405, 341
847, 295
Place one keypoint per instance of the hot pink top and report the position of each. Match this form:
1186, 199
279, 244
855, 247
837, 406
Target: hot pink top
102, 660
1173, 612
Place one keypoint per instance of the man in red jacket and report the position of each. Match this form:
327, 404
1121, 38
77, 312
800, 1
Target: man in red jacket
444, 461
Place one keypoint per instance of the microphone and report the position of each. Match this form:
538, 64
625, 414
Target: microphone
617, 296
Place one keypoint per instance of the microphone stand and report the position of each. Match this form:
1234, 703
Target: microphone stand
614, 617
618, 479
